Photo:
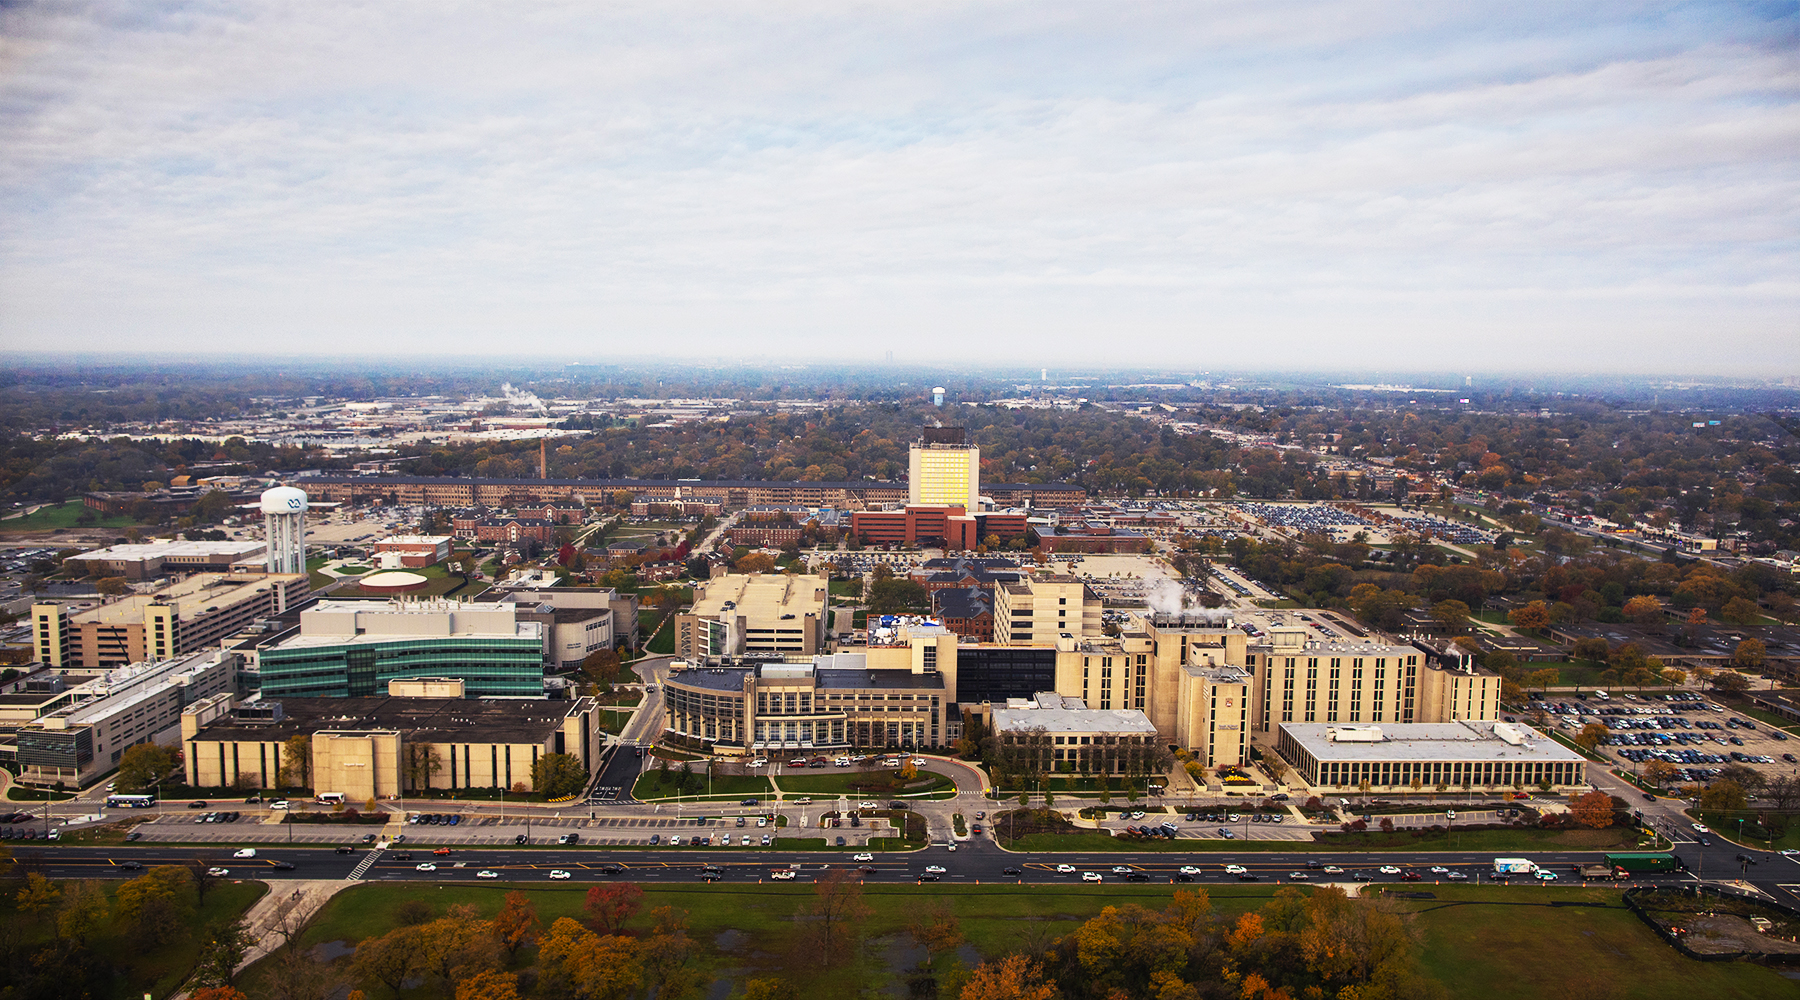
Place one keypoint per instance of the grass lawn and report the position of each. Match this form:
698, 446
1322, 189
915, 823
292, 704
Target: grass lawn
157, 971
439, 581
18, 793
662, 639
1753, 834
64, 515
761, 920
844, 783
1508, 943
729, 785
1480, 942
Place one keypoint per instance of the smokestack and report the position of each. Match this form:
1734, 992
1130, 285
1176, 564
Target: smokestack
543, 458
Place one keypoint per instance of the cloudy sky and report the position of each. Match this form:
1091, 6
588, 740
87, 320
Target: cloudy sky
1543, 186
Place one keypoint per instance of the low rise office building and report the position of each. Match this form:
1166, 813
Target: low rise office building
148, 560
1436, 756
756, 613
383, 746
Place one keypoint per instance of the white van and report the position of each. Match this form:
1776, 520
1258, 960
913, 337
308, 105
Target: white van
331, 798
1602, 695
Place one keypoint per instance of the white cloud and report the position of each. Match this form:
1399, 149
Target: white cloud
1561, 187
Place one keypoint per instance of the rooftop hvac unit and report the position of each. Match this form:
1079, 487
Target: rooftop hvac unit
1354, 734
1509, 733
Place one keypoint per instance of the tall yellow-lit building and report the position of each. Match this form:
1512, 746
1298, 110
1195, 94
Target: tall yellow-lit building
943, 468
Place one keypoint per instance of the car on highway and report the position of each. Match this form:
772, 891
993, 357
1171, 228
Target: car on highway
1389, 870
247, 852
1190, 870
1544, 876
1065, 869
931, 878
1362, 877
1298, 876
131, 866
442, 852
1439, 870
1012, 872
424, 866
710, 876
1235, 869
1458, 876
558, 873
1701, 828
863, 857
1333, 870
487, 874
217, 872
611, 869
1123, 869
1091, 877
782, 874
938, 869
1411, 876
1249, 877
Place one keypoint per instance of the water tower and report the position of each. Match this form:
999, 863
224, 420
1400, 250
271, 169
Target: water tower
284, 528
937, 396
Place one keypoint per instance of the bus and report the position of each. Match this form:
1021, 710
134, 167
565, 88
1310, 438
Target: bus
131, 801
331, 798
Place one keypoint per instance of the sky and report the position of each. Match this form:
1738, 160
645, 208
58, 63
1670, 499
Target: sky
1558, 187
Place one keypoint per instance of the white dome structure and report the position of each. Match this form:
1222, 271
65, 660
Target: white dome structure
284, 527
283, 500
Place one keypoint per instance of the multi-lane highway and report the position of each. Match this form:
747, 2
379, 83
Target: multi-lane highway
982, 864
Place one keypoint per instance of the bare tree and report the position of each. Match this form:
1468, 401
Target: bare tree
834, 912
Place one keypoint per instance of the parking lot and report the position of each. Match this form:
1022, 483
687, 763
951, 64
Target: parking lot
1696, 735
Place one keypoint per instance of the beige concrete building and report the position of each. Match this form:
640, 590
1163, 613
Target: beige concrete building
896, 695
382, 747
1429, 756
944, 469
196, 613
1067, 737
1038, 609
757, 613
147, 560
93, 723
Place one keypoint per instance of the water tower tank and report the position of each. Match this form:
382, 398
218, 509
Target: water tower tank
283, 500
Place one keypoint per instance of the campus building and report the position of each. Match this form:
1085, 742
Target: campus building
97, 720
1040, 608
1432, 755
1070, 737
756, 613
943, 469
885, 696
379, 747
352, 649
148, 560
413, 551
195, 613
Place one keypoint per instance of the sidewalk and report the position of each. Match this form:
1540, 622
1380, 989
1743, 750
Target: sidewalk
288, 906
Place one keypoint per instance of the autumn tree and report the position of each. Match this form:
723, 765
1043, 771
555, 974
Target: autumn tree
1590, 648
1661, 772
83, 911
1645, 609
1593, 810
1452, 614
608, 906
936, 929
296, 762
217, 993
1592, 735
422, 764
222, 948
1014, 977
1729, 681
588, 965
1750, 654
1535, 615
489, 984
157, 903
834, 913
1542, 679
768, 988
457, 945
38, 894
556, 775
755, 562
142, 766
391, 959
1723, 795
1740, 611
668, 956
515, 926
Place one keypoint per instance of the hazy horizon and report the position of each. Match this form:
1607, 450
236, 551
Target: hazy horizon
1348, 188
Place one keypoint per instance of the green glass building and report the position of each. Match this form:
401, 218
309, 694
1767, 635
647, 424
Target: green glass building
362, 667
